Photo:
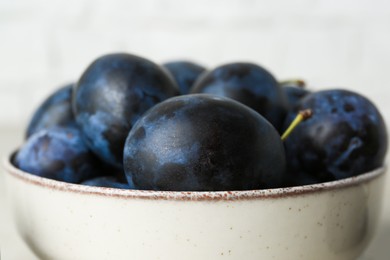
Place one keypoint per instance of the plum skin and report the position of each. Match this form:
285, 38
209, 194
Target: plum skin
202, 142
295, 94
346, 136
295, 91
249, 84
59, 154
185, 73
55, 111
112, 93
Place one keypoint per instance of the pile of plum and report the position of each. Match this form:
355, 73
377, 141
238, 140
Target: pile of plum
133, 124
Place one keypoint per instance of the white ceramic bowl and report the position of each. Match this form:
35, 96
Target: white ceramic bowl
334, 220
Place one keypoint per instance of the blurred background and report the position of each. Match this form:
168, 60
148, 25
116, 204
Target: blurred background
329, 43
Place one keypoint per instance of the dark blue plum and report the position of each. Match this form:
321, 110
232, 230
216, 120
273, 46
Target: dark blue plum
185, 73
107, 181
249, 84
203, 142
113, 92
55, 111
346, 136
59, 154
295, 91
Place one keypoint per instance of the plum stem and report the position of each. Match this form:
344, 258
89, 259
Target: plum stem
296, 82
302, 116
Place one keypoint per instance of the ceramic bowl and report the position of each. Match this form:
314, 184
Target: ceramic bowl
334, 220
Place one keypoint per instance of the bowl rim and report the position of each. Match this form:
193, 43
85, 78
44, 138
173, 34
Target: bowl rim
189, 195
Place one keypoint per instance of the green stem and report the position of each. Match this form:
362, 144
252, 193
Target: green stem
302, 116
295, 82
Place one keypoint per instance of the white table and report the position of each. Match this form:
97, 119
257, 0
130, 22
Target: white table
13, 248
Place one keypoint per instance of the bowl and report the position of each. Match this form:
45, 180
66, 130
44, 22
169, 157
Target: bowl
333, 220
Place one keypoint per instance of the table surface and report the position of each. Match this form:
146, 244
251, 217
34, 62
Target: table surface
13, 248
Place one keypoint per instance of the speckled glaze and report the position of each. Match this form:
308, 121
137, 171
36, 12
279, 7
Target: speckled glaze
334, 220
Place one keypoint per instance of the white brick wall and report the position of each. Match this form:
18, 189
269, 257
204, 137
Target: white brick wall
44, 43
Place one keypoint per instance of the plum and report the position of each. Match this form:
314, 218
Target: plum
203, 142
346, 136
295, 90
59, 154
55, 111
249, 84
112, 93
185, 73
